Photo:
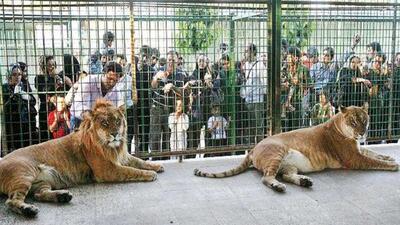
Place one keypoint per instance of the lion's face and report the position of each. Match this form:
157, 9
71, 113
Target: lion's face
356, 121
109, 125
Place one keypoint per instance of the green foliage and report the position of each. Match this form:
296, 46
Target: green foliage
197, 32
297, 33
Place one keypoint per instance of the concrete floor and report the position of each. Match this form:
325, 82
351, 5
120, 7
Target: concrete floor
178, 197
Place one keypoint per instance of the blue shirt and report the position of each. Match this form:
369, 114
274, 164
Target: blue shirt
323, 74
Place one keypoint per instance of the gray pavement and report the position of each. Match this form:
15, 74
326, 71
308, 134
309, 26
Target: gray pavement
178, 197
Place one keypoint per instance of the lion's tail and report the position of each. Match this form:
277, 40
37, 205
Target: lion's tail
232, 172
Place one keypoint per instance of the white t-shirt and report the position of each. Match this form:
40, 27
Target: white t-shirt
220, 131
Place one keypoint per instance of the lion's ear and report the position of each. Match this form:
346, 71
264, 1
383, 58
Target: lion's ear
365, 106
87, 114
342, 109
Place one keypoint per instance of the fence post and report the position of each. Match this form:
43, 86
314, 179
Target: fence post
394, 25
274, 65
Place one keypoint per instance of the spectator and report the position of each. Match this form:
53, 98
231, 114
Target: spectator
373, 49
96, 86
312, 57
217, 126
95, 65
155, 55
223, 49
162, 62
178, 123
223, 76
59, 119
19, 111
72, 68
379, 96
323, 74
199, 98
121, 59
352, 88
143, 78
298, 83
181, 65
253, 92
108, 39
48, 83
322, 111
166, 87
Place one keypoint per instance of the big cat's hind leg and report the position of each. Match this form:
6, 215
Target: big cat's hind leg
16, 201
270, 164
46, 180
289, 174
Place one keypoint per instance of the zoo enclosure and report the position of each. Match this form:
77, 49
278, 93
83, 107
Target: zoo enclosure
31, 29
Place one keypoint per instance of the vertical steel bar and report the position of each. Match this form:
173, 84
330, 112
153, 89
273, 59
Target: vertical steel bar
393, 52
274, 59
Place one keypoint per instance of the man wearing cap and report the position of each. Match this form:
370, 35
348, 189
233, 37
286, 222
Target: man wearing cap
97, 86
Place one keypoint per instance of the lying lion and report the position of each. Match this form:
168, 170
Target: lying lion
95, 153
334, 144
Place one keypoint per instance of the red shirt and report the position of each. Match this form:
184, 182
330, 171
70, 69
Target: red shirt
62, 128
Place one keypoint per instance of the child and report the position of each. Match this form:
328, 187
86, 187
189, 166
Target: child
322, 111
178, 123
217, 126
59, 119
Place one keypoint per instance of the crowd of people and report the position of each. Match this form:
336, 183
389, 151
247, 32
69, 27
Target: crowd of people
177, 109
313, 87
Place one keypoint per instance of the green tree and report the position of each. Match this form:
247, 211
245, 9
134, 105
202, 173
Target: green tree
297, 33
198, 32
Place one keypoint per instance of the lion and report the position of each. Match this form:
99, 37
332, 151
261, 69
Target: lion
95, 153
333, 144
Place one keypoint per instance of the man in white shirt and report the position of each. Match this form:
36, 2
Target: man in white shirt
97, 86
253, 92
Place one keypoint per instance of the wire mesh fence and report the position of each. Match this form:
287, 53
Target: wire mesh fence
193, 77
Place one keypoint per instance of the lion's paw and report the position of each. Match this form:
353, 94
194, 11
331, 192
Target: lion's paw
29, 210
153, 176
306, 182
279, 187
160, 169
396, 167
64, 197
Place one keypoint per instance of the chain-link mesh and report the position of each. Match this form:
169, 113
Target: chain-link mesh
193, 77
